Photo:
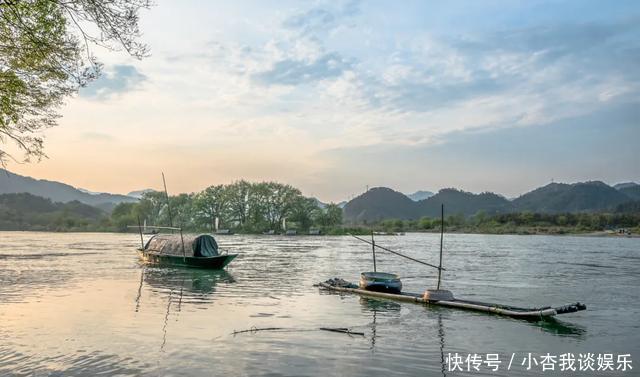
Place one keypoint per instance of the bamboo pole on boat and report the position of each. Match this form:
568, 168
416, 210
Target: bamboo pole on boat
441, 241
166, 193
141, 238
184, 255
373, 248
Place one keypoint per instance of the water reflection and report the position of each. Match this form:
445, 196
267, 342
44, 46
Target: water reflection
179, 285
558, 327
194, 284
441, 337
389, 308
374, 306
95, 363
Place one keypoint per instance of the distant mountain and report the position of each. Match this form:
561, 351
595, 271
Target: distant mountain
462, 202
380, 203
58, 192
25, 211
383, 203
88, 192
578, 197
319, 204
628, 207
138, 193
624, 185
420, 195
342, 204
632, 192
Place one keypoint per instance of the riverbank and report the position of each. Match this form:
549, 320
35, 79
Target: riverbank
363, 231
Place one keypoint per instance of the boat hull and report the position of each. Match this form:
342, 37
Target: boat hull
213, 263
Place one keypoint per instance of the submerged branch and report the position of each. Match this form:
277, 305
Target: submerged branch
343, 330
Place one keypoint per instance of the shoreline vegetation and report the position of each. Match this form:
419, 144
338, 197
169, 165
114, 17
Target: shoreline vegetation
257, 208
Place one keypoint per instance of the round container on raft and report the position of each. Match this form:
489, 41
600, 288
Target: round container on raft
380, 282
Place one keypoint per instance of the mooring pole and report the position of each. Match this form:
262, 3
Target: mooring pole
166, 193
441, 239
373, 248
141, 239
182, 240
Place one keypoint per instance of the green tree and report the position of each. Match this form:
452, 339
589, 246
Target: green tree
281, 202
123, 215
182, 211
238, 196
45, 56
304, 211
210, 203
153, 208
330, 216
425, 223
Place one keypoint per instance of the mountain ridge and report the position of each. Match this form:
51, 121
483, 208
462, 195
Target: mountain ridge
11, 183
420, 195
590, 196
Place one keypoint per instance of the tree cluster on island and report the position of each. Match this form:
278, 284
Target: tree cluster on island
242, 206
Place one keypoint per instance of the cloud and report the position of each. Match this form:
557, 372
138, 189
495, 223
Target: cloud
299, 53
509, 160
295, 72
423, 85
321, 19
121, 79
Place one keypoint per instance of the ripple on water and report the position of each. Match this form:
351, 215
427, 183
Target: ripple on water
82, 304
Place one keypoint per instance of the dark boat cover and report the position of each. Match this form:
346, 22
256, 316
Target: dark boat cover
203, 245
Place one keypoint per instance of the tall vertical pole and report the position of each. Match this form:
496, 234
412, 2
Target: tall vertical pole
184, 255
166, 193
373, 248
441, 239
141, 239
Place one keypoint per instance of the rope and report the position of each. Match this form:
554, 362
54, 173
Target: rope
398, 254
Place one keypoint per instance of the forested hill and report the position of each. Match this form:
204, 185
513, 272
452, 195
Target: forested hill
11, 183
631, 191
466, 203
29, 212
594, 196
380, 203
591, 196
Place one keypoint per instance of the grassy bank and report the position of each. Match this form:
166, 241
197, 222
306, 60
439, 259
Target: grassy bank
521, 223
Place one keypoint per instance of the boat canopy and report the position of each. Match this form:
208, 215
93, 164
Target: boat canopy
203, 245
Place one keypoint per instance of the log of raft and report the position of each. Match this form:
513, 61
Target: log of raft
510, 311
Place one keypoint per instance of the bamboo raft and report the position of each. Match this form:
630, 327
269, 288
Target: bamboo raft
338, 285
388, 286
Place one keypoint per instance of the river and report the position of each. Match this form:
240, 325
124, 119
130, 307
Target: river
82, 304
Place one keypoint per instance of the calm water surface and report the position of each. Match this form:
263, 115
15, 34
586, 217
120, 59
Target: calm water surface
82, 304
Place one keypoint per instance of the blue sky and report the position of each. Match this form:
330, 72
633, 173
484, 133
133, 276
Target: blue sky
332, 96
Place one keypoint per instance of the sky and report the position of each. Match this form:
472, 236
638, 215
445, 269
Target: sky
335, 96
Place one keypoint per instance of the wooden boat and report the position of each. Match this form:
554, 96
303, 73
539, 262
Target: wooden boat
339, 285
199, 251
380, 282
